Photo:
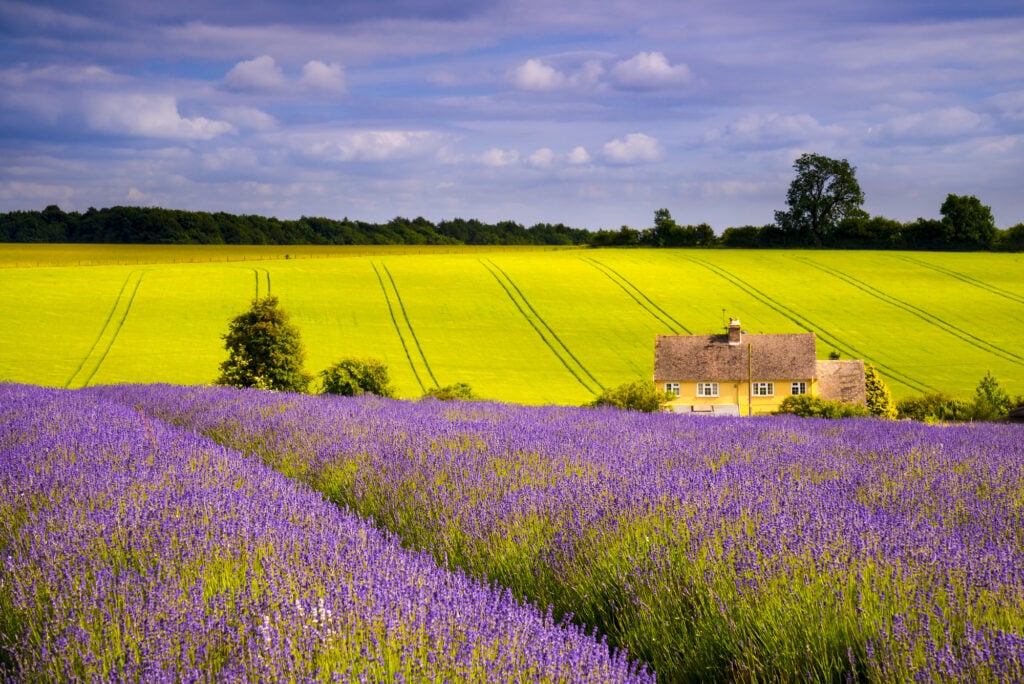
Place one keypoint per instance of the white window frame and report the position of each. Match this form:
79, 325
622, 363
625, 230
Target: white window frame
798, 387
763, 389
672, 387
707, 389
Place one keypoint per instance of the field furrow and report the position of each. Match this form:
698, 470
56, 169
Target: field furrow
266, 273
408, 324
809, 326
638, 296
918, 312
97, 354
547, 335
398, 328
974, 282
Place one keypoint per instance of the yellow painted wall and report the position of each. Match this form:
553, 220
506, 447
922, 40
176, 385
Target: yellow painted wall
737, 393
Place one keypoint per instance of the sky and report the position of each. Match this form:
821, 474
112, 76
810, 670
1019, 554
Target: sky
592, 114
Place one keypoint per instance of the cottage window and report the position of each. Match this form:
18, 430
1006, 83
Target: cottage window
707, 389
764, 389
799, 388
672, 388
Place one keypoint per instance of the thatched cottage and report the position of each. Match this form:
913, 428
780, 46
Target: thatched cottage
742, 374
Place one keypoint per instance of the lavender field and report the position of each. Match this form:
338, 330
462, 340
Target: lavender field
137, 552
765, 549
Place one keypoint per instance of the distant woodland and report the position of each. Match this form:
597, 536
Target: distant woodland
151, 225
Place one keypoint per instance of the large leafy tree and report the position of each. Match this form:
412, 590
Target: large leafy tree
264, 350
968, 223
824, 192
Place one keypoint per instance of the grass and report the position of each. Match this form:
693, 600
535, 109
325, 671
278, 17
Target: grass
521, 325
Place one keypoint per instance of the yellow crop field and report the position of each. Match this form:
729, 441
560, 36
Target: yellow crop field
528, 325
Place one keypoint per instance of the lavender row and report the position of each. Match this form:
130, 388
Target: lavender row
134, 551
775, 548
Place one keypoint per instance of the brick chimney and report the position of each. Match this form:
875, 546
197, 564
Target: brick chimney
735, 335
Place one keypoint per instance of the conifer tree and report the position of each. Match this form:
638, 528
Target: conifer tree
879, 398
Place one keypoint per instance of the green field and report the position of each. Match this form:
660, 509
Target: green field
520, 325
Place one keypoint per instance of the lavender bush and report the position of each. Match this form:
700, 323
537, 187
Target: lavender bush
734, 549
134, 551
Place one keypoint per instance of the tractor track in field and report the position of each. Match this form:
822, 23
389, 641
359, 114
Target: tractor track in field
931, 319
393, 293
256, 272
973, 282
809, 326
638, 296
108, 333
543, 330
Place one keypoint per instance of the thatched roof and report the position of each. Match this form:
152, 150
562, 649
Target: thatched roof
711, 357
842, 380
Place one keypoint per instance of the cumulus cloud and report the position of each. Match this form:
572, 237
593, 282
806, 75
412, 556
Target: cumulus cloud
497, 157
317, 75
154, 116
579, 155
635, 148
534, 74
249, 118
539, 76
649, 71
761, 129
542, 157
260, 74
367, 145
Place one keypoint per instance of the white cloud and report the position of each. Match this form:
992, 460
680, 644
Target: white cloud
317, 75
760, 129
579, 155
250, 118
135, 196
542, 157
534, 74
648, 71
539, 76
367, 145
497, 157
21, 76
257, 74
1010, 104
154, 116
938, 123
635, 148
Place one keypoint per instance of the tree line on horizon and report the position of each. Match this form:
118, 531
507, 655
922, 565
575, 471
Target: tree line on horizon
823, 210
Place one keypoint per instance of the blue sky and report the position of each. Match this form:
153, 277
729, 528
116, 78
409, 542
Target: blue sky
590, 114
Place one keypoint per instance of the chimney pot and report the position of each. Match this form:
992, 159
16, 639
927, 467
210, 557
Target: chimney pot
735, 334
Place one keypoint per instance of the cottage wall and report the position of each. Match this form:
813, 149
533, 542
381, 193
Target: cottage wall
735, 394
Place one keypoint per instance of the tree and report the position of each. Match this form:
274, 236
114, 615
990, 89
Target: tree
935, 407
990, 400
1011, 239
353, 376
641, 395
824, 192
264, 350
459, 391
968, 223
808, 406
879, 398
